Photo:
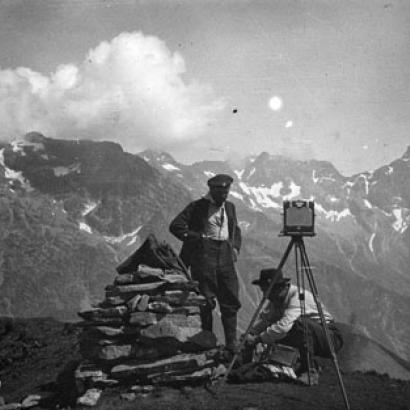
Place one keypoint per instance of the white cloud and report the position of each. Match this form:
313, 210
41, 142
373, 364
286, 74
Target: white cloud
289, 124
129, 89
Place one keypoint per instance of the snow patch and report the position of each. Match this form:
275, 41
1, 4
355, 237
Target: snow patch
371, 242
264, 196
275, 189
88, 208
317, 179
366, 183
334, 216
295, 191
254, 206
389, 170
18, 145
132, 237
252, 171
14, 175
170, 167
84, 227
239, 173
62, 171
244, 188
399, 225
236, 195
209, 174
367, 203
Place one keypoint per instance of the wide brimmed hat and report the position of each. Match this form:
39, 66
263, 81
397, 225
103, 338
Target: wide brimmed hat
266, 276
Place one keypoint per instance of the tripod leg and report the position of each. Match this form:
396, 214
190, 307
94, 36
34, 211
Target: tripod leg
305, 354
305, 263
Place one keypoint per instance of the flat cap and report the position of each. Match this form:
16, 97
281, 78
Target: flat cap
266, 275
220, 180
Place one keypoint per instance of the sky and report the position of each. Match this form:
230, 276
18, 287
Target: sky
326, 80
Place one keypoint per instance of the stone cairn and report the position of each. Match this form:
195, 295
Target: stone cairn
146, 331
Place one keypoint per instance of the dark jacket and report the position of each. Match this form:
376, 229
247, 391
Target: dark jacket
190, 223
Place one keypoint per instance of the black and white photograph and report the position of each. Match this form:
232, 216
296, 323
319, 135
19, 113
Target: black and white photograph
204, 204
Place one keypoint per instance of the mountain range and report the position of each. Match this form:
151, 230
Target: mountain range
72, 210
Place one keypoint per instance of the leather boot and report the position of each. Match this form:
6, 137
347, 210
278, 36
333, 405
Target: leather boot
229, 324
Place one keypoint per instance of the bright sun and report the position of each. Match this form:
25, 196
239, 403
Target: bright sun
275, 103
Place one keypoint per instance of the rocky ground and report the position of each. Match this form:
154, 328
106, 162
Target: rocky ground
38, 356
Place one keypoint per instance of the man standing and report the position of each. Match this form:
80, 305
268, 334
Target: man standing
211, 239
282, 321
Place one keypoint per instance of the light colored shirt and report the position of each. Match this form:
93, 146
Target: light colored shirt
216, 227
275, 321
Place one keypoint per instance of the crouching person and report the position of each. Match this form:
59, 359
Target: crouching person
282, 322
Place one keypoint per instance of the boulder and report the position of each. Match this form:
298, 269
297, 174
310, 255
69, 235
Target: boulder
137, 288
164, 307
90, 398
130, 396
166, 329
108, 331
143, 303
31, 400
175, 319
126, 279
114, 352
113, 300
102, 321
108, 335
175, 278
160, 307
202, 374
180, 298
146, 388
90, 339
134, 351
88, 375
138, 302
143, 318
97, 313
133, 302
10, 406
149, 274
178, 362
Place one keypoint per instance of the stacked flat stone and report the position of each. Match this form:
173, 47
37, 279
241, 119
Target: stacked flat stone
146, 331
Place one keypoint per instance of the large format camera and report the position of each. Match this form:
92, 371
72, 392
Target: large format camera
298, 218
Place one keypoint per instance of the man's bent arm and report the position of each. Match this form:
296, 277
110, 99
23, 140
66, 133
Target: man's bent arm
179, 227
237, 239
279, 329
